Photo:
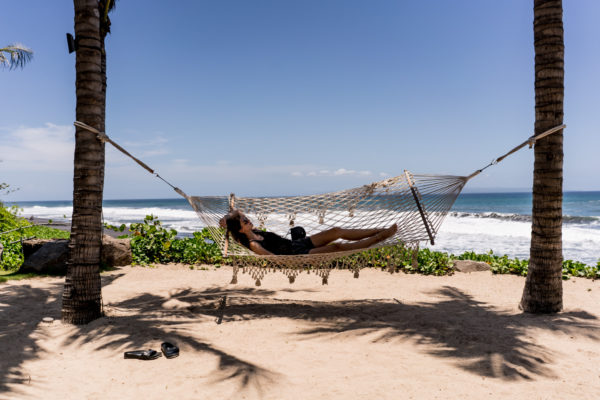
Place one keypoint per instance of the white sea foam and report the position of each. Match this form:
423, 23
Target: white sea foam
53, 213
459, 234
184, 221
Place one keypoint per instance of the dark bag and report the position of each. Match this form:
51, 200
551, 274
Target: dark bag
298, 232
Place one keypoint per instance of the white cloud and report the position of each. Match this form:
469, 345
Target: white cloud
337, 172
38, 149
344, 171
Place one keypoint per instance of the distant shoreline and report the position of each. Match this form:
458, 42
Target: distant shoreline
62, 225
66, 226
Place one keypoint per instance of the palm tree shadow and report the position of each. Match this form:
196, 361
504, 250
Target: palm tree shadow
485, 341
133, 322
22, 308
489, 342
128, 324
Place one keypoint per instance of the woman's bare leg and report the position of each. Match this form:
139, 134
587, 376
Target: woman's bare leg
328, 236
361, 244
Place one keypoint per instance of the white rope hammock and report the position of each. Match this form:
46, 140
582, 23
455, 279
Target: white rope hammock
418, 205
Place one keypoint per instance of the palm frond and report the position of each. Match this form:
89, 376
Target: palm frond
15, 55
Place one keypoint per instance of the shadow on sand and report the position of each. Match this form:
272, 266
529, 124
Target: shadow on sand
488, 342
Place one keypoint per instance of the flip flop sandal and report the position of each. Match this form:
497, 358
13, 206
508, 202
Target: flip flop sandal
169, 350
143, 354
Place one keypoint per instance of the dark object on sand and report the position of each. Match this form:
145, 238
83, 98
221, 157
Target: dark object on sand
169, 350
142, 354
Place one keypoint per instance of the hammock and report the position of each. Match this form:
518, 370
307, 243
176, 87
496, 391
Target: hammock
418, 205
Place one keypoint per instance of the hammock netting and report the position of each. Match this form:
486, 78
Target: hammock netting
416, 203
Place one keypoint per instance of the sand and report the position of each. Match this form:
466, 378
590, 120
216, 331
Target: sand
378, 337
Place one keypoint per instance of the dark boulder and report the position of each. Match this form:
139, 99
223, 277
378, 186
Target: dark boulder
49, 256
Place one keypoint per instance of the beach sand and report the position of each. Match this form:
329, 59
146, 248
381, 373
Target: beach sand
380, 336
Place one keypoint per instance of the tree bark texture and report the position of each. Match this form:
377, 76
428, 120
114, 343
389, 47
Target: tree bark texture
543, 287
82, 299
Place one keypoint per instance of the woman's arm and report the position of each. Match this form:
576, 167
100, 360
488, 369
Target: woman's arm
258, 249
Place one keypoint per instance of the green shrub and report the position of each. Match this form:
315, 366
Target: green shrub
12, 256
150, 241
400, 257
579, 269
197, 249
505, 265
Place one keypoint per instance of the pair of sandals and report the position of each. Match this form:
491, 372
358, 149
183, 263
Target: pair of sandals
168, 349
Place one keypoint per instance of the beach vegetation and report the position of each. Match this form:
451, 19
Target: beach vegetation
400, 258
15, 276
579, 269
505, 265
13, 230
152, 243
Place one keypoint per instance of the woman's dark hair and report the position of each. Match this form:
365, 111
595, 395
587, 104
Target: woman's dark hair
234, 224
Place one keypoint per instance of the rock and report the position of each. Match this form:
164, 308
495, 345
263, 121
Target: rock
30, 246
116, 252
50, 256
470, 266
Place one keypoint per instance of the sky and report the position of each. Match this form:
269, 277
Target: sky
276, 97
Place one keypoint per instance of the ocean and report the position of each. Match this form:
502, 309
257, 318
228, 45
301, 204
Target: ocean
478, 222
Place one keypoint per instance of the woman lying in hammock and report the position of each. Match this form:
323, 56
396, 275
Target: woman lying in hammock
266, 243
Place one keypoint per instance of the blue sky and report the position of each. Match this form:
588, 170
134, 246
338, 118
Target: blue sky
297, 97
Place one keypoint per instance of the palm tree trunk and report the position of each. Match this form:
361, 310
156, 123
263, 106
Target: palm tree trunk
543, 287
82, 299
